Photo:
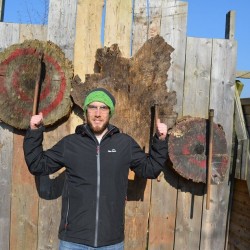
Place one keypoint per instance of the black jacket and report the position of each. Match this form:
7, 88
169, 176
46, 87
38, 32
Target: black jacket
95, 188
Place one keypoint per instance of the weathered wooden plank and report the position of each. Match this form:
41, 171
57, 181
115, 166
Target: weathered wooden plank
239, 228
1, 10
238, 162
230, 25
29, 217
236, 242
137, 209
248, 172
240, 125
163, 211
62, 20
24, 204
189, 214
140, 25
119, 13
28, 31
223, 83
243, 74
242, 220
154, 11
88, 36
164, 193
6, 149
239, 204
222, 101
24, 210
245, 161
195, 104
136, 214
61, 25
197, 77
242, 122
50, 210
118, 25
174, 31
9, 35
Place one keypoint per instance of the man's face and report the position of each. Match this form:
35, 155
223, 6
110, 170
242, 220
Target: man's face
97, 117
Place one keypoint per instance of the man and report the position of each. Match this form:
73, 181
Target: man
97, 160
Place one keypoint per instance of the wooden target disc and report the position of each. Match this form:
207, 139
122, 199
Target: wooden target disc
188, 150
19, 65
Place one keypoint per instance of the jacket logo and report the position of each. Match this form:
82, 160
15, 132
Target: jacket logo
112, 151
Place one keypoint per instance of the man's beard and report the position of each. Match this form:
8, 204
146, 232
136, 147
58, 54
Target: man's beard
97, 130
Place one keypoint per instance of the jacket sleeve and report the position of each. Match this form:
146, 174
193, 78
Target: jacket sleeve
41, 162
149, 166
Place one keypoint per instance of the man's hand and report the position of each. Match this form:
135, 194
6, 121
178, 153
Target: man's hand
36, 121
161, 130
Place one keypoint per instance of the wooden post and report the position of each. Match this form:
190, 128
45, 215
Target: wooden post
155, 125
37, 86
2, 3
230, 25
210, 156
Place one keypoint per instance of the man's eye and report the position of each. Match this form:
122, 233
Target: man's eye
92, 107
104, 108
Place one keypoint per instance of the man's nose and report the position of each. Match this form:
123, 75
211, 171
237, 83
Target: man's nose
97, 112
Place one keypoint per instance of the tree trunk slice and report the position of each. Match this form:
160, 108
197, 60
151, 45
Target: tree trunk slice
19, 65
188, 150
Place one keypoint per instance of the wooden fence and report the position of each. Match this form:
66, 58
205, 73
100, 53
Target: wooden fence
172, 213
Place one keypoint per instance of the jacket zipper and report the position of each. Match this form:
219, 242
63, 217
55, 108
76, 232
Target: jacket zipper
97, 195
67, 215
98, 184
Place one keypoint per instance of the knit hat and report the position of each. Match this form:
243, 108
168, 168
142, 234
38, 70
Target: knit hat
100, 95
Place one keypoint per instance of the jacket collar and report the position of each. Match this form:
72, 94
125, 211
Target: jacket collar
84, 129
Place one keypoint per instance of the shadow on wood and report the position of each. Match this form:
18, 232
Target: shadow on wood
136, 189
179, 182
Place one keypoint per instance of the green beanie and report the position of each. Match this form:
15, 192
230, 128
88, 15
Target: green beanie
100, 95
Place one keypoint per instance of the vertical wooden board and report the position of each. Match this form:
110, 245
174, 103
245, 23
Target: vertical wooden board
1, 10
6, 149
61, 25
240, 124
136, 214
137, 211
245, 153
248, 172
118, 25
9, 35
222, 101
163, 211
223, 83
173, 30
238, 162
189, 214
88, 36
140, 25
24, 209
24, 204
154, 18
50, 210
239, 229
196, 104
164, 193
197, 77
